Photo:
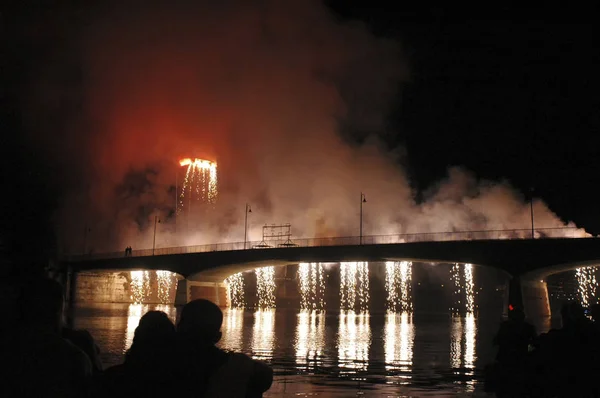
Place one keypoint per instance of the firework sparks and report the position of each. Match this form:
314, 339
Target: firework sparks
164, 280
398, 284
139, 286
265, 286
464, 288
469, 288
235, 290
312, 286
587, 285
354, 289
199, 184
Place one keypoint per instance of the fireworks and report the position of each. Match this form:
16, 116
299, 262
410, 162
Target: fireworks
265, 286
312, 286
164, 280
469, 297
354, 286
235, 290
398, 284
139, 286
464, 288
199, 184
587, 285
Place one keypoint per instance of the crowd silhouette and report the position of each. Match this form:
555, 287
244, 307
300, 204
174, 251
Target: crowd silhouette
563, 362
47, 359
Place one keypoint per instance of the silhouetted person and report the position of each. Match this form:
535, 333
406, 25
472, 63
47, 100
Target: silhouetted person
39, 362
564, 360
208, 371
148, 370
513, 340
84, 341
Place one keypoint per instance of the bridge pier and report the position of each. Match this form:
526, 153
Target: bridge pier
188, 290
530, 295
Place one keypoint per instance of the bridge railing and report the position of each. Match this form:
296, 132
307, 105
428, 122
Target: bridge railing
541, 233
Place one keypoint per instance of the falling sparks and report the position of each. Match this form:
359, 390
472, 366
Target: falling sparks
199, 184
354, 289
398, 284
235, 290
164, 280
587, 285
312, 286
469, 287
464, 288
139, 286
265, 287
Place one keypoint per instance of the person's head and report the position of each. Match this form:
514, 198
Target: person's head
516, 314
201, 320
154, 326
41, 304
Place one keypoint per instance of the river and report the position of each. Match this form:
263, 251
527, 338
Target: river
333, 354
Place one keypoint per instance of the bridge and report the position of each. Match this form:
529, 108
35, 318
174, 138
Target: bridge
526, 261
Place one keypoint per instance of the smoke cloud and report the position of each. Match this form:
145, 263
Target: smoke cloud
261, 88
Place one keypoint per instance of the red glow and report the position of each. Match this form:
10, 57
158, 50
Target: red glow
510, 307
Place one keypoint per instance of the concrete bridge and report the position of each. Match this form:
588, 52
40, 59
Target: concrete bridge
526, 261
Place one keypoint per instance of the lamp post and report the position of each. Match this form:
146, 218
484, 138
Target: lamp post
248, 210
363, 199
531, 208
156, 220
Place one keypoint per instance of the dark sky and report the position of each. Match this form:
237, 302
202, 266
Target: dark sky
506, 92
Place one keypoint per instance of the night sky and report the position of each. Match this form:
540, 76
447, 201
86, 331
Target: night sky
507, 93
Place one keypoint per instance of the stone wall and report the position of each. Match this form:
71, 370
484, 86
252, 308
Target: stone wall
102, 287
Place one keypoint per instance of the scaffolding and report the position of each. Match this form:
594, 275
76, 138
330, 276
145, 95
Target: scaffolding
276, 235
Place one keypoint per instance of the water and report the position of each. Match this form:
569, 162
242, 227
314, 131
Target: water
333, 355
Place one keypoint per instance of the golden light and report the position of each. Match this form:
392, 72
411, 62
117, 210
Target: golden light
199, 163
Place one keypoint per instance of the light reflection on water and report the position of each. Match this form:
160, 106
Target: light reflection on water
397, 350
354, 340
310, 339
399, 341
233, 323
263, 336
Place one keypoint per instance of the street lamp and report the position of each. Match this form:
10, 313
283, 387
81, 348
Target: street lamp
248, 210
363, 199
531, 208
156, 220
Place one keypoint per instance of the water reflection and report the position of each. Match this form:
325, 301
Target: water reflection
134, 314
234, 323
263, 336
310, 339
462, 346
354, 340
399, 335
